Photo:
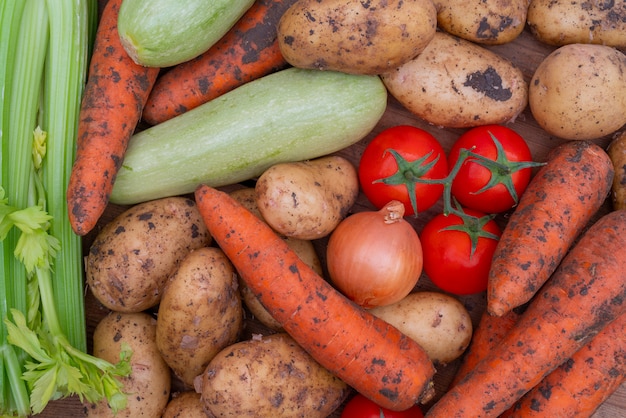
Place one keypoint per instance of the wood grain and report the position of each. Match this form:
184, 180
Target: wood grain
526, 53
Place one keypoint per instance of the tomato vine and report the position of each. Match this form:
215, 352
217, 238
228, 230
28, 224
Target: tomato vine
411, 173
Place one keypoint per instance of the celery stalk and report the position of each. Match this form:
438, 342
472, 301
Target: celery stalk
22, 105
66, 70
43, 352
21, 92
92, 22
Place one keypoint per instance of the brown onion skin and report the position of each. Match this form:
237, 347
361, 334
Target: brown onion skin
375, 257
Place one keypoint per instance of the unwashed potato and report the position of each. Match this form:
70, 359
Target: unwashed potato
269, 376
354, 36
307, 199
562, 22
579, 92
617, 152
304, 248
149, 382
437, 321
185, 405
132, 256
455, 83
200, 312
246, 196
489, 22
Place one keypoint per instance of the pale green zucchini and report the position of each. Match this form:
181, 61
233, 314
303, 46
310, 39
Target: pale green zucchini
163, 33
291, 115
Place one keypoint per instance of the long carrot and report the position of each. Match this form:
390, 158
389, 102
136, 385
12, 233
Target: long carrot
558, 203
247, 52
364, 351
581, 384
489, 332
585, 294
114, 97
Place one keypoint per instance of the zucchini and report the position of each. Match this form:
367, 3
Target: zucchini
163, 33
290, 115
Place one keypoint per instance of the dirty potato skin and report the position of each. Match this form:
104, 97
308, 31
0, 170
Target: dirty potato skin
437, 321
563, 22
455, 83
307, 199
578, 92
357, 37
269, 376
490, 22
246, 196
185, 405
617, 152
200, 312
131, 257
149, 382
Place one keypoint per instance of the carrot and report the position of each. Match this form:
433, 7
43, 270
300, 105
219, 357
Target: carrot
558, 203
580, 385
114, 97
364, 351
247, 52
489, 332
585, 294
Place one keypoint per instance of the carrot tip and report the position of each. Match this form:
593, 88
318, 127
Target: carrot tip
496, 308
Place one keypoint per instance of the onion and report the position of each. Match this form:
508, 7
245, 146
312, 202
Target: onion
375, 257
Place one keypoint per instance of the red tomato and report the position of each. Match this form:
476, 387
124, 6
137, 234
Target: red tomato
472, 177
393, 162
447, 246
362, 407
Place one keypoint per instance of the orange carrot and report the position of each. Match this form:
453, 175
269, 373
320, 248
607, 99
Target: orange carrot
114, 97
580, 385
558, 203
489, 332
585, 294
364, 351
247, 52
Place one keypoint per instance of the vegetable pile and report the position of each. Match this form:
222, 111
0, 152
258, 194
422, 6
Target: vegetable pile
311, 208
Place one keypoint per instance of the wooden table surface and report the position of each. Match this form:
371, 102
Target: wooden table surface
525, 52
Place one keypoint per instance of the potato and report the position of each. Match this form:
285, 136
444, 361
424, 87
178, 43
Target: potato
247, 198
455, 83
353, 36
132, 256
437, 321
304, 248
561, 22
200, 312
185, 405
149, 382
579, 92
270, 376
307, 199
617, 152
489, 22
